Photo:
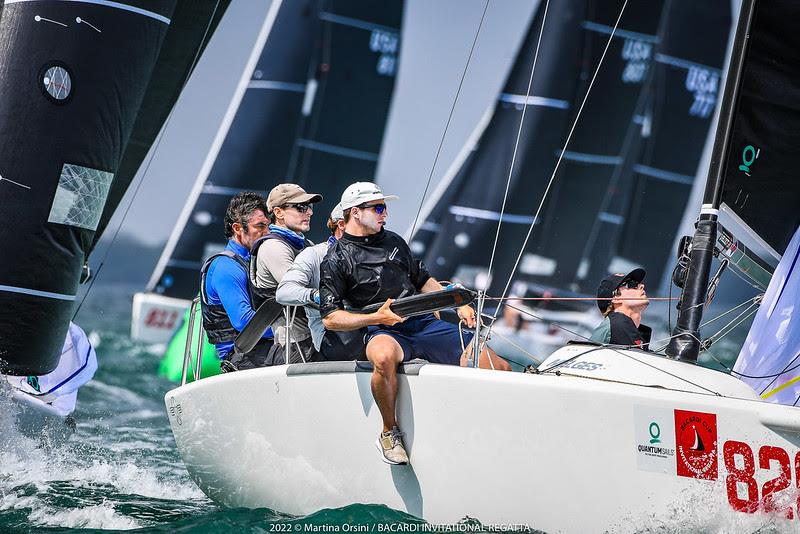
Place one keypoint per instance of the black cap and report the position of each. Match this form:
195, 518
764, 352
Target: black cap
611, 283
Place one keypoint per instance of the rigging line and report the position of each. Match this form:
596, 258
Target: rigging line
666, 372
557, 325
751, 301
775, 375
718, 332
618, 351
784, 371
449, 118
576, 298
153, 151
538, 361
720, 316
563, 150
516, 145
744, 279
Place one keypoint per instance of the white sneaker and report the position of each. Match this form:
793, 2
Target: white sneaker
390, 445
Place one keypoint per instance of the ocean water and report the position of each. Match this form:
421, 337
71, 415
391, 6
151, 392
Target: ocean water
120, 471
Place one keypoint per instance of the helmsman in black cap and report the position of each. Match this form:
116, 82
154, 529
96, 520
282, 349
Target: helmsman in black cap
622, 300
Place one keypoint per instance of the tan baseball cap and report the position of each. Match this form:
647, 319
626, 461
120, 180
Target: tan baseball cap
361, 192
283, 194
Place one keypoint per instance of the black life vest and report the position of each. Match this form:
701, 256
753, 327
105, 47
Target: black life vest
216, 322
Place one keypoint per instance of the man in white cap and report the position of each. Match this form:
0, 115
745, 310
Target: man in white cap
300, 287
371, 265
289, 208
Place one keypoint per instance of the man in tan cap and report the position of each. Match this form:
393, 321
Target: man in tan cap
290, 209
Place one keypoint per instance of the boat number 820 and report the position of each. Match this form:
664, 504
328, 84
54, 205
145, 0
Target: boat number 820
741, 485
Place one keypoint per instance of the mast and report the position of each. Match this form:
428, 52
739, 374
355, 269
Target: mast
685, 342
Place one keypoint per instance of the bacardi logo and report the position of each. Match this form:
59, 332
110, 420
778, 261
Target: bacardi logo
696, 444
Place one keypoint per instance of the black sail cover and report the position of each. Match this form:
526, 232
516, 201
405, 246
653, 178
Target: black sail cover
313, 113
460, 232
763, 156
73, 76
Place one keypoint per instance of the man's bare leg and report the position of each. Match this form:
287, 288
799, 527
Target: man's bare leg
385, 354
487, 354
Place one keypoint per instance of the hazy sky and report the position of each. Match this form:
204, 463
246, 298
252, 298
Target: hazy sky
435, 45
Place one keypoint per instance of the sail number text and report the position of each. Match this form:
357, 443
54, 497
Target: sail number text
157, 318
743, 491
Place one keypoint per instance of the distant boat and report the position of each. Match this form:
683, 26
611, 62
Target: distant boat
86, 88
618, 429
291, 122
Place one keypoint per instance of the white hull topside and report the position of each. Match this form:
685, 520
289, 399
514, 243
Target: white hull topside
599, 445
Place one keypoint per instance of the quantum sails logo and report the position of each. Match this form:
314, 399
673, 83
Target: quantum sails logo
655, 447
654, 433
749, 156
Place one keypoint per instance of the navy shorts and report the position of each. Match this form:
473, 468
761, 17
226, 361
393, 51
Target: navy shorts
425, 337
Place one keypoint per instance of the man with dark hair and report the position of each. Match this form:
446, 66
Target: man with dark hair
224, 292
290, 209
622, 300
371, 265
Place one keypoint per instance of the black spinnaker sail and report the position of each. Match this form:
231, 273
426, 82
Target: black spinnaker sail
313, 113
80, 81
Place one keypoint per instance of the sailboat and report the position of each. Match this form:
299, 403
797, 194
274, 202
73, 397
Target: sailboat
86, 88
291, 122
594, 222
598, 438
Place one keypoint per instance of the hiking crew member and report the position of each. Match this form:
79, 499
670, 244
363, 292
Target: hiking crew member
371, 265
622, 300
225, 298
300, 287
290, 209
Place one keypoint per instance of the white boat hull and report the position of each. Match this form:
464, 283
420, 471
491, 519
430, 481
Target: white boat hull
554, 452
155, 318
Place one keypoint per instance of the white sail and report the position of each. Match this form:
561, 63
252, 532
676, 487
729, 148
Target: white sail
773, 343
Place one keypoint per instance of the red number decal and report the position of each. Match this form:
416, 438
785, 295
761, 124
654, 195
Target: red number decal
172, 318
778, 484
152, 318
157, 318
797, 478
743, 475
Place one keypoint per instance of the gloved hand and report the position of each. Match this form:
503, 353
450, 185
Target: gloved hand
314, 297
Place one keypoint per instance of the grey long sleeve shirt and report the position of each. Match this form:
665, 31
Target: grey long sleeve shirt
299, 282
273, 261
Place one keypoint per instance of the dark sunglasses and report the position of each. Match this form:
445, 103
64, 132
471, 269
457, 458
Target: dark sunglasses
301, 208
379, 208
630, 284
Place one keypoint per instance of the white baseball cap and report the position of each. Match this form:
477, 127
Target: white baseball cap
361, 192
337, 213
